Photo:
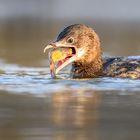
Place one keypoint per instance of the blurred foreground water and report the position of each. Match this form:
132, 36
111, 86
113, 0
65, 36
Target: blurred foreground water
35, 107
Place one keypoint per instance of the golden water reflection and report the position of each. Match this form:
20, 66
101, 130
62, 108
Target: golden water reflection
64, 115
69, 109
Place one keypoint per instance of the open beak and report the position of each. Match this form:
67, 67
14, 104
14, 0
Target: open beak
69, 58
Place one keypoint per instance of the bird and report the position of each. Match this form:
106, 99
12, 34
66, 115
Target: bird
80, 45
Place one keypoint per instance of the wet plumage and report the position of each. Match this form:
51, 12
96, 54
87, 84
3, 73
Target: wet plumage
126, 67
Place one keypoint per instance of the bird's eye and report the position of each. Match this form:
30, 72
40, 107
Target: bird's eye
70, 40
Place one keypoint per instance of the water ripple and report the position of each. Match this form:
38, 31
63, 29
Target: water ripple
37, 80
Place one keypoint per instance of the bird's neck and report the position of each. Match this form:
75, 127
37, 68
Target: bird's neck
87, 70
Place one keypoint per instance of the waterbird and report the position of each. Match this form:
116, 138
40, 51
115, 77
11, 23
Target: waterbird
80, 45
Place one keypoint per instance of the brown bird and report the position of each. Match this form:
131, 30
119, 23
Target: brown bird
86, 56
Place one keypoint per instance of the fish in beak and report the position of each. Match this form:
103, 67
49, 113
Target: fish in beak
60, 55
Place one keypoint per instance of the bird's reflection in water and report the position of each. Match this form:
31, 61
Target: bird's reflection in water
64, 116
75, 115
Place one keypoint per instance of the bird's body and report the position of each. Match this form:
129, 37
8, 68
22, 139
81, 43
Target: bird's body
86, 56
123, 67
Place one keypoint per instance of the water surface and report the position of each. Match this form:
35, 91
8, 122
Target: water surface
35, 107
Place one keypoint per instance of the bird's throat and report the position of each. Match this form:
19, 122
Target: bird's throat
87, 70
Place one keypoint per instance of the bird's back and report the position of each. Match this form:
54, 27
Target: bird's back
124, 67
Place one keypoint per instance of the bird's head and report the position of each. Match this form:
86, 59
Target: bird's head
76, 43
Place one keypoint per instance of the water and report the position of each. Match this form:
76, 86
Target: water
33, 106
37, 80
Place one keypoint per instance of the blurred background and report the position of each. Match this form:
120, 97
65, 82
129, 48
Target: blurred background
35, 107
26, 26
